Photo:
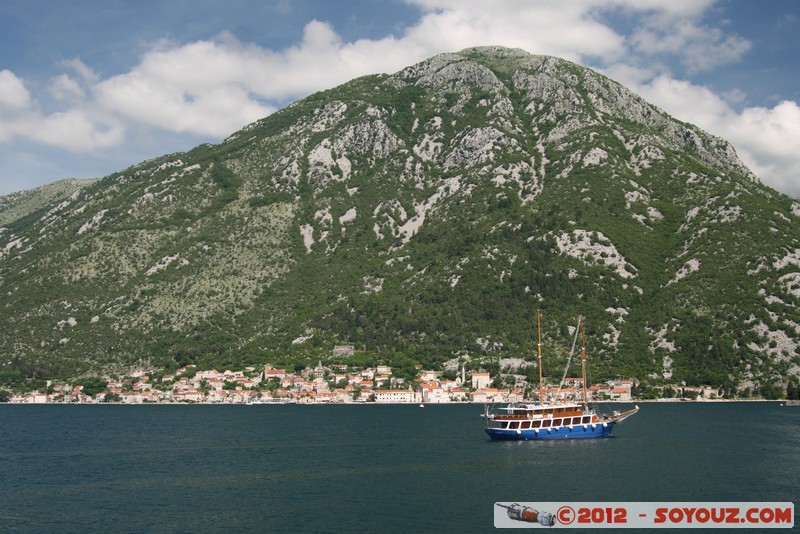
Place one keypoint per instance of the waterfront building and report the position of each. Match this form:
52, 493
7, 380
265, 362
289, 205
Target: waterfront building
481, 380
393, 395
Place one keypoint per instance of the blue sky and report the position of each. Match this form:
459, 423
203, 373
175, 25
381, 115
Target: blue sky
89, 87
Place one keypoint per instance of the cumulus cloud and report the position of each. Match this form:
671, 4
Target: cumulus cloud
64, 88
14, 97
564, 29
75, 130
700, 47
84, 72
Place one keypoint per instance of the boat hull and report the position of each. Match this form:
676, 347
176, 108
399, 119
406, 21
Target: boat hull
589, 431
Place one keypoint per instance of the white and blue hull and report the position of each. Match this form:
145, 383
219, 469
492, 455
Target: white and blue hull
592, 430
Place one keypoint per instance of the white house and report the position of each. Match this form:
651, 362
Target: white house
433, 393
427, 376
393, 395
621, 393
481, 380
489, 395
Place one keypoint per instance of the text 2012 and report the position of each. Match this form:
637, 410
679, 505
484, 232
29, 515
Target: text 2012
602, 515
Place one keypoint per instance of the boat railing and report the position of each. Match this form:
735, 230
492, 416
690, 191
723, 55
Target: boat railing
534, 415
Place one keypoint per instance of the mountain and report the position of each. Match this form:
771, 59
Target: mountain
424, 215
22, 203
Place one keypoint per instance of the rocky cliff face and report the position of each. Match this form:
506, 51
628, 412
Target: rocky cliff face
429, 213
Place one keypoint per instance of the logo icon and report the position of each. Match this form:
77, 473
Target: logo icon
529, 515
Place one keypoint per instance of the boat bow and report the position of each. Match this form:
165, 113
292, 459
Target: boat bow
619, 417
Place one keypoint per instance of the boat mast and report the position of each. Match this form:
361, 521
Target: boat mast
583, 363
539, 347
571, 352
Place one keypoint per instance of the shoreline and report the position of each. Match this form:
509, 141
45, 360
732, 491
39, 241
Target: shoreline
418, 404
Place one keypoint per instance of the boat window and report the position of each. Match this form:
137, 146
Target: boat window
586, 419
546, 423
556, 422
514, 424
525, 424
537, 424
576, 420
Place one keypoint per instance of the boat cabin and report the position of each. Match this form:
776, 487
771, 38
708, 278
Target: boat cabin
532, 416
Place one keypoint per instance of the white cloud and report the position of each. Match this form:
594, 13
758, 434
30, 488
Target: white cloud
65, 88
75, 130
199, 88
700, 47
14, 97
564, 29
82, 70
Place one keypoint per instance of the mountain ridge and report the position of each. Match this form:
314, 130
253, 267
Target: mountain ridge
427, 214
22, 203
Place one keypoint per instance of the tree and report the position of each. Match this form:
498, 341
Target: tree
793, 390
93, 386
771, 391
449, 375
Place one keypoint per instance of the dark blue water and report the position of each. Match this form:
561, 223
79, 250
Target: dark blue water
365, 468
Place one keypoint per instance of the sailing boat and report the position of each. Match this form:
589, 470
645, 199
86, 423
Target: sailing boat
545, 420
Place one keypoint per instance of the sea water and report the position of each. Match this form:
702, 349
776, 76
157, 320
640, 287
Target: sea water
366, 468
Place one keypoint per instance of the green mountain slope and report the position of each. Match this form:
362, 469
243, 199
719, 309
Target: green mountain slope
428, 213
23, 203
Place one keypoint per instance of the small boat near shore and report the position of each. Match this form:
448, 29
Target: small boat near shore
270, 400
551, 420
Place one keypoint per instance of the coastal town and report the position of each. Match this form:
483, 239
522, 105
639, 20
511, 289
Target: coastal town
321, 384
